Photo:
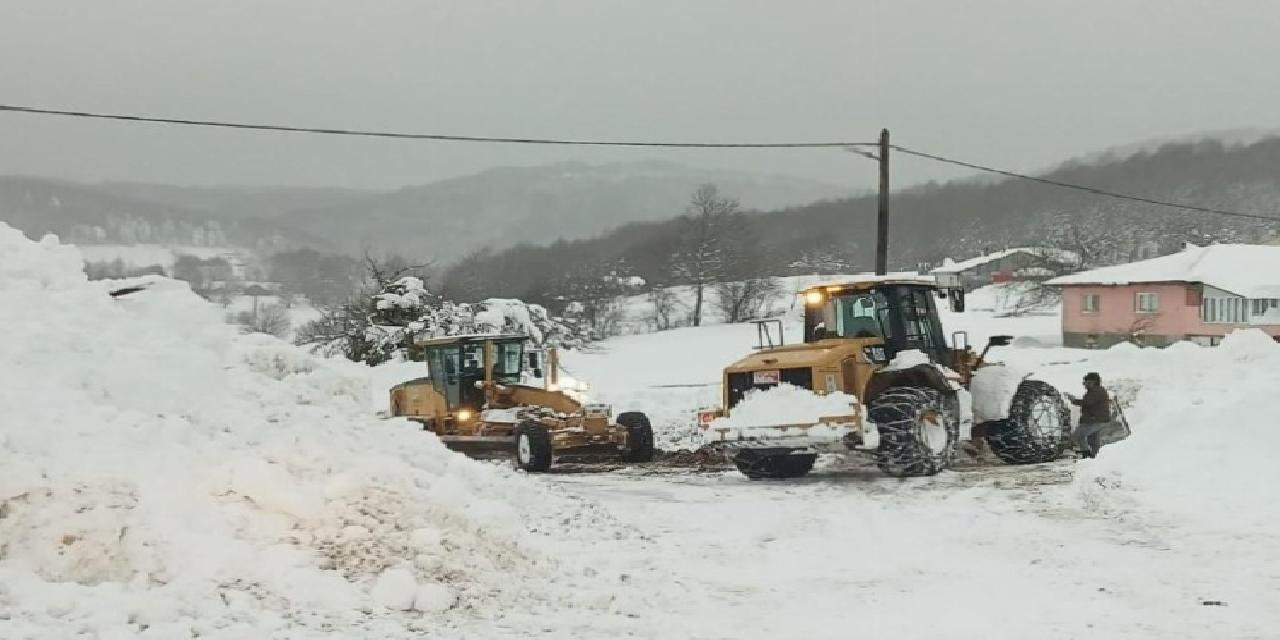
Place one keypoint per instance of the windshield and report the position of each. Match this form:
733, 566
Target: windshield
507, 361
854, 315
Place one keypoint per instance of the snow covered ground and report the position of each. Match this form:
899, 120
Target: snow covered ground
162, 476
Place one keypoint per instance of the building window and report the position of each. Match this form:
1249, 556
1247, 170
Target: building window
1148, 302
1092, 302
1225, 310
1263, 306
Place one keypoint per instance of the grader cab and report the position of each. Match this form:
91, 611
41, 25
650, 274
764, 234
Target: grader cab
880, 340
479, 397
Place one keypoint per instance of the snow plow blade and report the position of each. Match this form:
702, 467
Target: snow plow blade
839, 433
480, 446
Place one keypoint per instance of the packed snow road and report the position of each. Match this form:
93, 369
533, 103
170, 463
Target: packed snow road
997, 552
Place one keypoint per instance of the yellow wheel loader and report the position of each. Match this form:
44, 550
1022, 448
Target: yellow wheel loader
475, 400
878, 339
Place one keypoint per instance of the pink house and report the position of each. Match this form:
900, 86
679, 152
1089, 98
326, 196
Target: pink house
1199, 294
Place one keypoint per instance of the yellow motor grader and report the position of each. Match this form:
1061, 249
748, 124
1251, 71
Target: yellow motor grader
474, 400
879, 340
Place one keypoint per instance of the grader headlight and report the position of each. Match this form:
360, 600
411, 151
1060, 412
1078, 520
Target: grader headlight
814, 298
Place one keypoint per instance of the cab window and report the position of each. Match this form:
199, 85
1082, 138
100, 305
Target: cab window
507, 362
855, 315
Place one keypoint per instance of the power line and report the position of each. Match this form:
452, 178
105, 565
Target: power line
852, 146
1078, 187
430, 136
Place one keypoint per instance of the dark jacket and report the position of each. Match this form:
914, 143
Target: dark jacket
1095, 406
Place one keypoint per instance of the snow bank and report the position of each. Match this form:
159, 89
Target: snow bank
165, 476
1204, 432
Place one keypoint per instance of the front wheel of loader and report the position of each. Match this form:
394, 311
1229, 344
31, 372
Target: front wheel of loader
1038, 428
639, 436
918, 431
761, 464
533, 447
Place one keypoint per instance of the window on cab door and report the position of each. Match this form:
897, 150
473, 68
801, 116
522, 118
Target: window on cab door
1148, 302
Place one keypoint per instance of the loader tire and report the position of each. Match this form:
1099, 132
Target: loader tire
533, 446
761, 465
918, 430
639, 436
1038, 428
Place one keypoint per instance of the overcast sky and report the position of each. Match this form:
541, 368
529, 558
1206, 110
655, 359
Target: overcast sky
1013, 83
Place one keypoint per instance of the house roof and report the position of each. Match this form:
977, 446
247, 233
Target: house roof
1248, 270
1056, 255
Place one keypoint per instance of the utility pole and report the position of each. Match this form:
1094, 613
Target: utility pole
882, 213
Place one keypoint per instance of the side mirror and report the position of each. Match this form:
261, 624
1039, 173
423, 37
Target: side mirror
534, 361
957, 300
999, 341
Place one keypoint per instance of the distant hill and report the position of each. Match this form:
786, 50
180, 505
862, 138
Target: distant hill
235, 201
959, 218
94, 214
440, 221
501, 207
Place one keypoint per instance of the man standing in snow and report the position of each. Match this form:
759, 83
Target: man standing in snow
1095, 415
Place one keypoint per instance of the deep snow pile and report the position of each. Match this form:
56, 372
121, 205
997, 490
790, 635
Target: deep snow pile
164, 475
1204, 432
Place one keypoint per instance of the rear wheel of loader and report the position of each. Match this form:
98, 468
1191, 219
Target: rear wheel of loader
760, 464
918, 431
1038, 428
533, 446
639, 436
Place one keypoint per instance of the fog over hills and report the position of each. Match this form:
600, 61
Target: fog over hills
439, 221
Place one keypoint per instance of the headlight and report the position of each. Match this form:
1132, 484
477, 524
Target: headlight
462, 415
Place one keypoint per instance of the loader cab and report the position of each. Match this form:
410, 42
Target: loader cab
456, 366
901, 315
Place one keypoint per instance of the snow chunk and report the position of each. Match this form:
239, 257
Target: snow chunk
992, 389
785, 404
433, 598
395, 589
907, 359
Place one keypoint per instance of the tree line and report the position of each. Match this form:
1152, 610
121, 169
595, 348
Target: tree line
929, 222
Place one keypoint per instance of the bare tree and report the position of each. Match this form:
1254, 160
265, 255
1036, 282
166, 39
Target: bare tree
742, 300
666, 306
708, 251
1140, 327
271, 319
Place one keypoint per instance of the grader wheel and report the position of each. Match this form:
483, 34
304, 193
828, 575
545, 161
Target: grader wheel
533, 446
639, 437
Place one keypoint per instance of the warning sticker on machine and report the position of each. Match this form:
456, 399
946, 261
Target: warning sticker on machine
772, 376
